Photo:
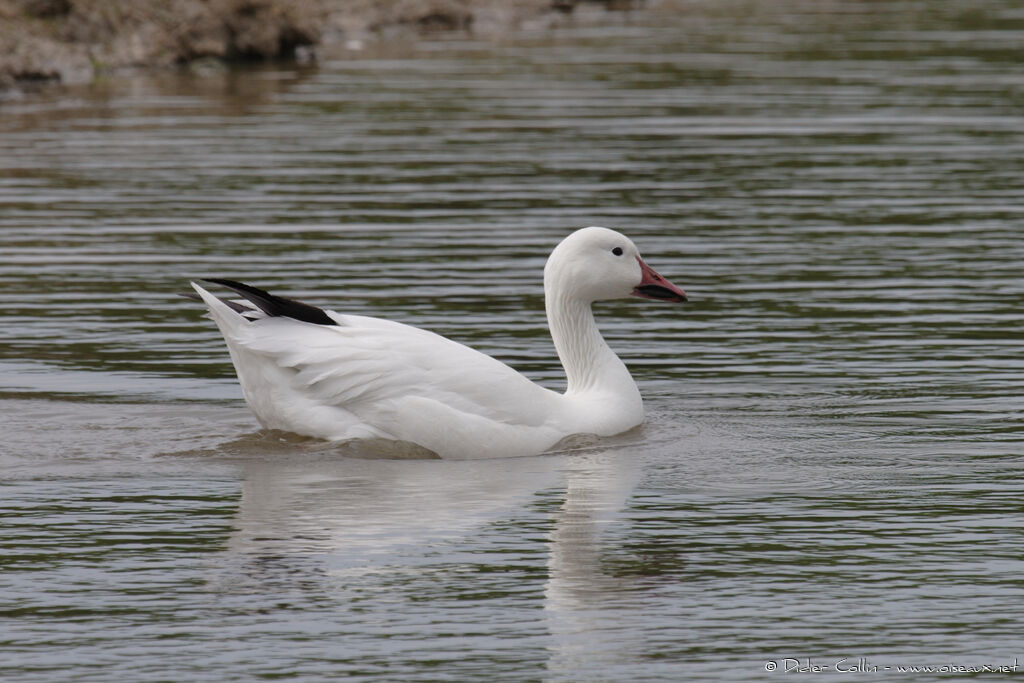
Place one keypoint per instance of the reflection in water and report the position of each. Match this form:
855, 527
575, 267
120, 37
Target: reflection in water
348, 516
582, 599
343, 527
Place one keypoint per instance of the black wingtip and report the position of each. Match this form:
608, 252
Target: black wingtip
276, 306
233, 305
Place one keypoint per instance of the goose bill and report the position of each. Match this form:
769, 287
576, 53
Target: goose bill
654, 286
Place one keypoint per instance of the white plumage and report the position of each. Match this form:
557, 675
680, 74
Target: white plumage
356, 377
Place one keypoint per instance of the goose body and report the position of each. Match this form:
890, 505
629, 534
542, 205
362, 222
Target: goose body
340, 377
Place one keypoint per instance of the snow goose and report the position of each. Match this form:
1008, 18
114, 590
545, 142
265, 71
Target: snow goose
339, 377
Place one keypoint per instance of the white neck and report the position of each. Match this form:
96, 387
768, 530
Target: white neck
590, 365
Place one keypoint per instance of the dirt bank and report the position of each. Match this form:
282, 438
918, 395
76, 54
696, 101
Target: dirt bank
76, 40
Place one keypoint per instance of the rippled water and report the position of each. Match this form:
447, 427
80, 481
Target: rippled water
832, 464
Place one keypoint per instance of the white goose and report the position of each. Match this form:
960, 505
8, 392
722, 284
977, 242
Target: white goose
340, 377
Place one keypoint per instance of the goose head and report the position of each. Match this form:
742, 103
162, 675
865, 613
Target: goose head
595, 264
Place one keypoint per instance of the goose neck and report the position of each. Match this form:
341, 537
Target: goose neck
590, 365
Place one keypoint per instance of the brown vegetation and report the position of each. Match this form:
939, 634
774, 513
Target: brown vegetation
74, 40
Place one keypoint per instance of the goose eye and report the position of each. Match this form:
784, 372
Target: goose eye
617, 251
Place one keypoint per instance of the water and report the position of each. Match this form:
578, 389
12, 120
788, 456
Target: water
832, 464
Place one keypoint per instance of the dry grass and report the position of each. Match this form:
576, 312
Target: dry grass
74, 40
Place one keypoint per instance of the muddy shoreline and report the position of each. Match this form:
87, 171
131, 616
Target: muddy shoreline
75, 41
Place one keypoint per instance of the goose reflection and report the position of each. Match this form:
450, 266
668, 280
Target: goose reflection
322, 516
581, 598
341, 530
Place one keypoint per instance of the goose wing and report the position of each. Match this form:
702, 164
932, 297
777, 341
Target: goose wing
408, 383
